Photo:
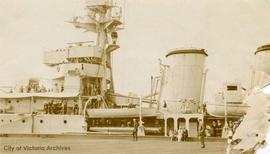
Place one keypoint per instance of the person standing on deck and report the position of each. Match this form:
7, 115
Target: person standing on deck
135, 130
201, 133
65, 107
180, 134
46, 108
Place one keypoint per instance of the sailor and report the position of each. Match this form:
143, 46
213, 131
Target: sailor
76, 109
164, 104
91, 89
214, 127
94, 90
65, 107
180, 134
50, 107
88, 89
219, 128
201, 133
55, 107
46, 108
135, 130
59, 108
62, 88
82, 67
185, 134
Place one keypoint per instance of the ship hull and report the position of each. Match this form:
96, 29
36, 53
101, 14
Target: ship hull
41, 124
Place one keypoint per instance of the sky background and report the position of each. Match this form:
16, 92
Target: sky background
230, 30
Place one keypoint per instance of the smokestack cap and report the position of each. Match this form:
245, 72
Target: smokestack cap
187, 51
263, 48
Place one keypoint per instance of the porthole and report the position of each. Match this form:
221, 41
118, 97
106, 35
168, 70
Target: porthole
23, 121
65, 121
2, 120
17, 101
10, 120
268, 120
35, 101
9, 101
41, 121
257, 135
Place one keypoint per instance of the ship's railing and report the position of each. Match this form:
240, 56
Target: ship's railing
84, 51
55, 57
38, 85
185, 106
125, 100
59, 56
92, 70
98, 2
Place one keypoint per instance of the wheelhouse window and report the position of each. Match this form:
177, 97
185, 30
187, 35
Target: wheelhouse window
232, 88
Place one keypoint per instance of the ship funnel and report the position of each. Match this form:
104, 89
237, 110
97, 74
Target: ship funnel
183, 81
261, 66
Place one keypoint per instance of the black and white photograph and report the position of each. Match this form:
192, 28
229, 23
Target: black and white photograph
135, 76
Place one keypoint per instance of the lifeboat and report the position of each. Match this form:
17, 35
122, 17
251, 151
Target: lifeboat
233, 94
218, 110
121, 112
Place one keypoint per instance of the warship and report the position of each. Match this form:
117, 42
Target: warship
81, 97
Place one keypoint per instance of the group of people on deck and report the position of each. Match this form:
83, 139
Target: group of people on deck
180, 135
59, 108
91, 89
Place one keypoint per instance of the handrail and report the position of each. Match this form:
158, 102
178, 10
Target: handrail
85, 105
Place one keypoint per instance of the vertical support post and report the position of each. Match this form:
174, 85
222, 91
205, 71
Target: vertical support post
32, 115
225, 129
175, 121
165, 127
203, 87
80, 104
187, 123
31, 104
225, 110
151, 93
141, 131
140, 111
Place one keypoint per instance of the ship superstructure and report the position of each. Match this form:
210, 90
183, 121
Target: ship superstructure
83, 80
81, 94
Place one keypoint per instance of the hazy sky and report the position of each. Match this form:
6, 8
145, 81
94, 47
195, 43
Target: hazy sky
230, 30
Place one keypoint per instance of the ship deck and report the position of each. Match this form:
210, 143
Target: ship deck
108, 145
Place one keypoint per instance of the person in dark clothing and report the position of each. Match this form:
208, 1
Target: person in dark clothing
185, 134
65, 107
201, 133
214, 127
219, 128
50, 107
55, 108
76, 109
164, 104
135, 130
